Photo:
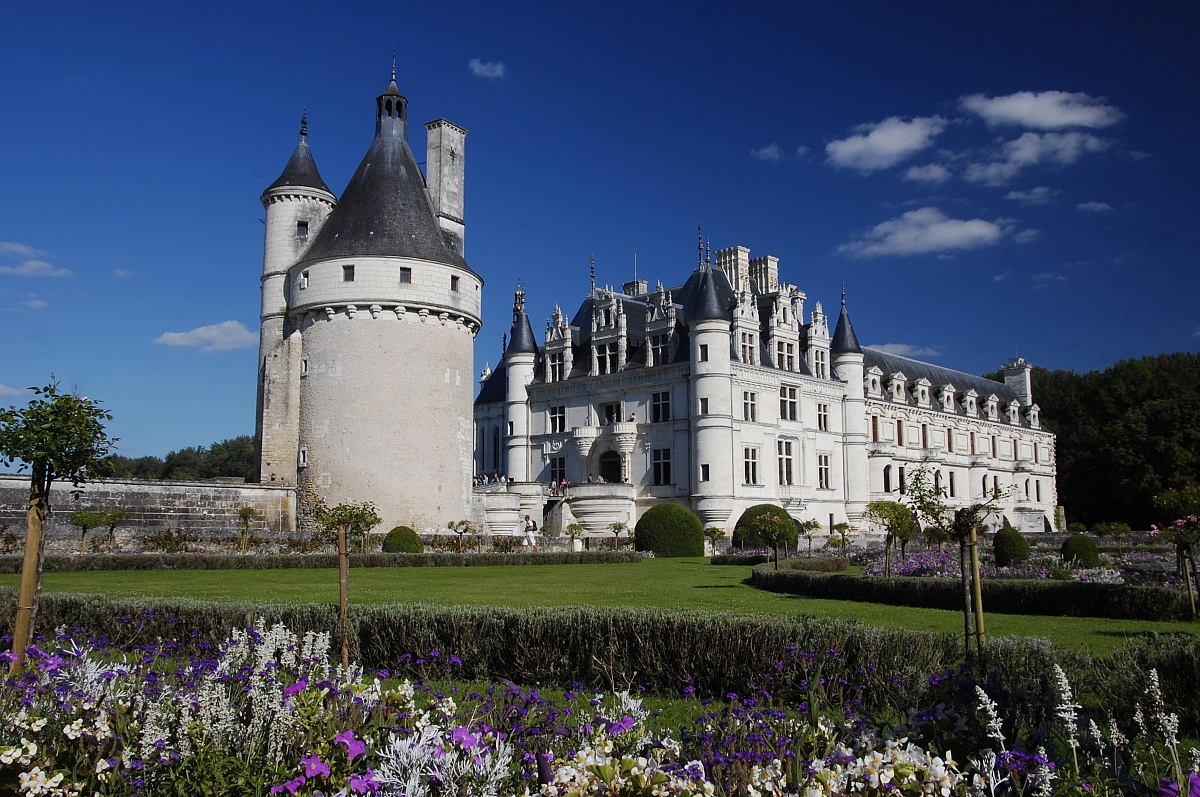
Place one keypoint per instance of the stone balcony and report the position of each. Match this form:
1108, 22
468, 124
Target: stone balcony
596, 506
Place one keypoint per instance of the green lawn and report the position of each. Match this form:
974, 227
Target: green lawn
663, 583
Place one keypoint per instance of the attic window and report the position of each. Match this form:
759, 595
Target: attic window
303, 280
347, 273
302, 229
405, 274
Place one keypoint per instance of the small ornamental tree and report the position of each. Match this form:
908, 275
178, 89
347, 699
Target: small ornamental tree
345, 520
670, 530
899, 525
58, 436
113, 517
85, 521
462, 528
714, 534
776, 529
246, 517
745, 536
1181, 508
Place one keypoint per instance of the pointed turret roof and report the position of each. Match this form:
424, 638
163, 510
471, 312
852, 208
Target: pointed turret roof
385, 210
707, 295
522, 339
301, 169
844, 339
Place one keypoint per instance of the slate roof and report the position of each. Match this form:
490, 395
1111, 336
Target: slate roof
385, 210
522, 340
301, 169
936, 374
492, 391
844, 339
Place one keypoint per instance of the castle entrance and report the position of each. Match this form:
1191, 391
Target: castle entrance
610, 466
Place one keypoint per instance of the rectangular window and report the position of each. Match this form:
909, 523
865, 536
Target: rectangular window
749, 405
820, 364
824, 474
704, 406
347, 273
784, 450
950, 440
924, 435
453, 283
558, 469
900, 473
661, 466
558, 420
556, 367
788, 401
953, 488
405, 274
703, 352
611, 413
303, 366
750, 465
302, 459
785, 356
658, 350
303, 280
822, 417
302, 229
510, 428
748, 348
704, 472
874, 428
660, 407
899, 433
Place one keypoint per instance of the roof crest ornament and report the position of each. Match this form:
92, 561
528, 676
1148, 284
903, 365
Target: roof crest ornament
592, 261
699, 245
843, 294
304, 123
708, 250
393, 64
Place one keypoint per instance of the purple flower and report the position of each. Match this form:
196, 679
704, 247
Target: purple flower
314, 766
361, 784
354, 747
296, 688
464, 738
291, 787
1171, 789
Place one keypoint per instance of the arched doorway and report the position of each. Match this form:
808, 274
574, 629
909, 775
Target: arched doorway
610, 466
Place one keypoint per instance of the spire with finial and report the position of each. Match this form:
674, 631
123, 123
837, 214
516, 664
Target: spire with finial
393, 64
304, 123
843, 294
519, 298
708, 251
592, 261
391, 108
699, 245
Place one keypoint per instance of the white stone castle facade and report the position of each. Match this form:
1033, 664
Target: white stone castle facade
724, 392
720, 393
369, 315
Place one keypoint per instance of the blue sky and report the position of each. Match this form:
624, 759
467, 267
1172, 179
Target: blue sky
987, 179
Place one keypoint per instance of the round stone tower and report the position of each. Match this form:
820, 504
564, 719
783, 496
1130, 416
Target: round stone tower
386, 309
848, 367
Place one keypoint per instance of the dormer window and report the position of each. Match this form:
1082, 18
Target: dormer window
993, 408
969, 402
1014, 412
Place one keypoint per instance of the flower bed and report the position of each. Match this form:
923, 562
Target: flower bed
267, 712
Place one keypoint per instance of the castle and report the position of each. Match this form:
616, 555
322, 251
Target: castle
718, 393
369, 315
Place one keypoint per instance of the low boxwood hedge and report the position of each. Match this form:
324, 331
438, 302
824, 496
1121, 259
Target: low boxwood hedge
1003, 596
201, 561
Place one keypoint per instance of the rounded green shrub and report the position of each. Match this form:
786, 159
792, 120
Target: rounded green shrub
1009, 547
1080, 550
1077, 527
402, 539
669, 530
745, 536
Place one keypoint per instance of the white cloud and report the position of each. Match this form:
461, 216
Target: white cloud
1026, 236
1034, 196
933, 173
1094, 207
488, 69
908, 350
35, 268
1046, 110
884, 144
225, 336
120, 274
923, 231
1047, 278
769, 153
801, 151
1031, 149
1002, 276
10, 391
1196, 334
35, 304
20, 250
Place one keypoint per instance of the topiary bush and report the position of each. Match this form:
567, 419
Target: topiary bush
402, 539
744, 536
1009, 547
670, 530
1077, 527
1080, 550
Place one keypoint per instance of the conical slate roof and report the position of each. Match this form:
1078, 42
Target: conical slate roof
707, 295
301, 169
385, 210
844, 339
522, 340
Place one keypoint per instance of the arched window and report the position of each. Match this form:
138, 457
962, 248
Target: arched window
887, 478
496, 448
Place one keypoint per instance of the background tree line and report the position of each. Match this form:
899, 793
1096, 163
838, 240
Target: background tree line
229, 458
1125, 435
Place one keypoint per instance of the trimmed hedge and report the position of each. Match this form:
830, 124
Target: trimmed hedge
402, 539
739, 559
669, 530
1080, 550
745, 537
1009, 547
1002, 596
197, 561
663, 651
820, 564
